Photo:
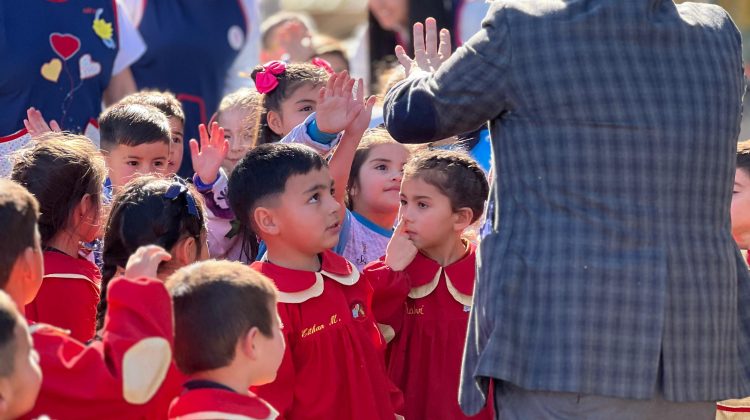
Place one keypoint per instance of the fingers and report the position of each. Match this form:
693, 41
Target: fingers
341, 81
360, 91
419, 47
370, 103
445, 49
55, 126
431, 38
329, 85
349, 88
203, 134
403, 58
194, 151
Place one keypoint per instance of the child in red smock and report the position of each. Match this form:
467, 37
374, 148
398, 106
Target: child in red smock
65, 173
332, 367
424, 284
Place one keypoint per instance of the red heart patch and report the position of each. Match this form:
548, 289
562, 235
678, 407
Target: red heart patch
64, 45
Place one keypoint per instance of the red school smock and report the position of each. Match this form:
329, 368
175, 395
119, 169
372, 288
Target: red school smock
126, 375
68, 296
219, 403
333, 364
424, 312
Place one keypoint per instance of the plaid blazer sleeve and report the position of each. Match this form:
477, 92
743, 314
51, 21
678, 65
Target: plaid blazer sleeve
462, 95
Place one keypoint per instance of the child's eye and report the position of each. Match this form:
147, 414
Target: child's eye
403, 202
422, 205
132, 163
160, 163
177, 140
381, 168
308, 108
333, 192
315, 198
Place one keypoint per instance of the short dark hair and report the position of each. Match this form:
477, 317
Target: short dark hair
215, 304
59, 170
743, 156
142, 215
165, 102
132, 125
295, 76
454, 174
19, 212
9, 321
263, 173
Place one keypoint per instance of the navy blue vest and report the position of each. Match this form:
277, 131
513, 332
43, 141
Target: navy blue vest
56, 56
191, 46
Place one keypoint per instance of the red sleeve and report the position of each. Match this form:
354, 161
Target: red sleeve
390, 290
119, 374
280, 393
66, 303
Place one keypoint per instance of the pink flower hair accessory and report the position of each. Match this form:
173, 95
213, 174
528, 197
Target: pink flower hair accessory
325, 65
266, 80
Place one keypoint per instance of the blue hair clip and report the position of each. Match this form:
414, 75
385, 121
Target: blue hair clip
178, 187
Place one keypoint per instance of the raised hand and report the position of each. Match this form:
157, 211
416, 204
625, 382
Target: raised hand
362, 121
336, 107
208, 157
145, 262
401, 250
36, 125
428, 54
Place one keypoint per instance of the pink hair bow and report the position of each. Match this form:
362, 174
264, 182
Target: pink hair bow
325, 65
266, 80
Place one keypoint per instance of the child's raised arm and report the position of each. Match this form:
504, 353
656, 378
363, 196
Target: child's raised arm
340, 164
125, 371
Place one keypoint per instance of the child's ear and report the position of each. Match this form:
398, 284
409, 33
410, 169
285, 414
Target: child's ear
266, 221
462, 218
246, 343
275, 122
185, 251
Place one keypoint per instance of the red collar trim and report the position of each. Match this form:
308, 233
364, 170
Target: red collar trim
297, 286
212, 403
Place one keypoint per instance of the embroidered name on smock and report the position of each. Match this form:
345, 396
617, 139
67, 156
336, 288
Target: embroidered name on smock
415, 310
316, 328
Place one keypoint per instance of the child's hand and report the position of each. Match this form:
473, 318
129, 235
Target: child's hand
36, 125
401, 250
336, 107
361, 122
145, 262
213, 151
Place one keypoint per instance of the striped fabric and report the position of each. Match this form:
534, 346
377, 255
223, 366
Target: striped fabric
614, 127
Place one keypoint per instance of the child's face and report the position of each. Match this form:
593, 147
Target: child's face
740, 209
296, 108
377, 189
126, 162
24, 383
270, 350
307, 213
177, 128
426, 212
234, 121
391, 14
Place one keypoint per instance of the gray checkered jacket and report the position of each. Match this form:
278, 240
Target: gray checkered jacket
614, 127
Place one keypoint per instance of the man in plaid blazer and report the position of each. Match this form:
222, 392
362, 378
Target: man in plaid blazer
611, 285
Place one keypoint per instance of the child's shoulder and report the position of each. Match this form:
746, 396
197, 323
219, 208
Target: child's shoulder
220, 403
59, 265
